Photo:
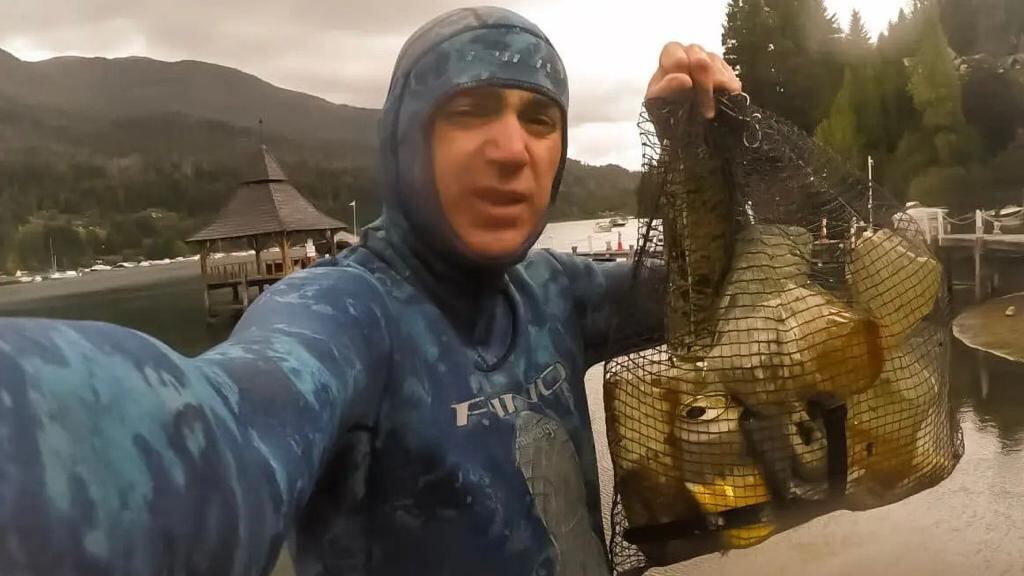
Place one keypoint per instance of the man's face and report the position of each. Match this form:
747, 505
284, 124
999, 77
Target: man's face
496, 152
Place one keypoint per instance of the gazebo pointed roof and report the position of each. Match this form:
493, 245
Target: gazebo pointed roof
266, 203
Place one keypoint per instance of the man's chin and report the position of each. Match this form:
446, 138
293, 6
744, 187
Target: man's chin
498, 247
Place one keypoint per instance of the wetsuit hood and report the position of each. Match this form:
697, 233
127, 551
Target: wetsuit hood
463, 48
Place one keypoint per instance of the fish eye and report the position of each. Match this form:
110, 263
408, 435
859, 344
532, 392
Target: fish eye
706, 408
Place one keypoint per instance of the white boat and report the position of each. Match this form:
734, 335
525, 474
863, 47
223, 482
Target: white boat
63, 274
1007, 220
603, 227
100, 268
125, 265
618, 221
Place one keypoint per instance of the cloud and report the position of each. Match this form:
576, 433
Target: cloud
345, 50
606, 143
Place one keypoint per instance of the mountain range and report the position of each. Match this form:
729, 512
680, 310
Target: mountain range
100, 145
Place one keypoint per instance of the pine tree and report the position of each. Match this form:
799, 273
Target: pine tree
934, 81
994, 35
937, 159
960, 21
749, 51
858, 32
840, 131
857, 45
787, 53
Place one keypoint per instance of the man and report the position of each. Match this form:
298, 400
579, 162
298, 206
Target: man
415, 406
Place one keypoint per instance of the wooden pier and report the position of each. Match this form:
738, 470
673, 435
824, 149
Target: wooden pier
242, 274
607, 255
985, 244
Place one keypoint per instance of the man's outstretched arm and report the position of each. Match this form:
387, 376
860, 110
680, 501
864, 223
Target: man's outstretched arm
119, 456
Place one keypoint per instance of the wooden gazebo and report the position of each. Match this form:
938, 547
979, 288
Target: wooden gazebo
268, 214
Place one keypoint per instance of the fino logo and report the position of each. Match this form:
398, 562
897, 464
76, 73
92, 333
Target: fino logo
505, 404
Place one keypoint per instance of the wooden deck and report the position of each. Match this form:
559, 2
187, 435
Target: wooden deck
999, 242
606, 255
986, 240
244, 274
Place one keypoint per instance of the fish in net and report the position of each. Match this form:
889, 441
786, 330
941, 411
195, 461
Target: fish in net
805, 362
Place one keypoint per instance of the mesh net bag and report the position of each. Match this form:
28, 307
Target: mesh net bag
805, 362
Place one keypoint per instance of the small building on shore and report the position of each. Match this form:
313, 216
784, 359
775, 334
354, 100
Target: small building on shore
267, 217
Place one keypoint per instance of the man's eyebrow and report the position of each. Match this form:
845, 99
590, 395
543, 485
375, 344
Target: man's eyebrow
484, 92
538, 101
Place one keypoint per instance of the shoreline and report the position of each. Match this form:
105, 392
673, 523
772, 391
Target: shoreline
986, 327
14, 294
983, 327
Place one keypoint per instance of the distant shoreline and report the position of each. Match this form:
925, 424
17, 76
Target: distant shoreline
14, 294
986, 327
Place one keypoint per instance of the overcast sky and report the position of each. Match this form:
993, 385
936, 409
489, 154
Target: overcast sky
344, 50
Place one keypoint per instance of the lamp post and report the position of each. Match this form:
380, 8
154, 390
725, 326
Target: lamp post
871, 192
355, 226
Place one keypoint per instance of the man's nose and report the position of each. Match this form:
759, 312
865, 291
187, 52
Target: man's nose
506, 142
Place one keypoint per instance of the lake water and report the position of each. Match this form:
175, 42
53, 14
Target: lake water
973, 523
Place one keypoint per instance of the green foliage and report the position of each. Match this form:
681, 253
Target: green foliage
935, 157
934, 82
943, 130
588, 191
841, 131
957, 187
939, 186
994, 27
787, 55
1007, 170
993, 103
47, 244
164, 247
857, 36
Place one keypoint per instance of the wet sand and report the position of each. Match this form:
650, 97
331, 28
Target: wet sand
986, 327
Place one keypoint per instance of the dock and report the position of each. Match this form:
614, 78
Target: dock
607, 255
986, 245
243, 274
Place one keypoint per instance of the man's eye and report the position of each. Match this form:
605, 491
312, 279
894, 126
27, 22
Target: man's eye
466, 111
542, 121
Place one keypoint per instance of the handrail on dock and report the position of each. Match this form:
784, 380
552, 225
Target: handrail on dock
990, 237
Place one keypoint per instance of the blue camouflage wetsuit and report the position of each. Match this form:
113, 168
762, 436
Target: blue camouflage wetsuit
401, 409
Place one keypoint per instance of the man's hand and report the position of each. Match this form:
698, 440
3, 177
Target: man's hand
682, 69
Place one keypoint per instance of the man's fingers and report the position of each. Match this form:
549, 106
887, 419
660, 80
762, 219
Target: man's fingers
728, 80
690, 68
703, 75
673, 59
670, 85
